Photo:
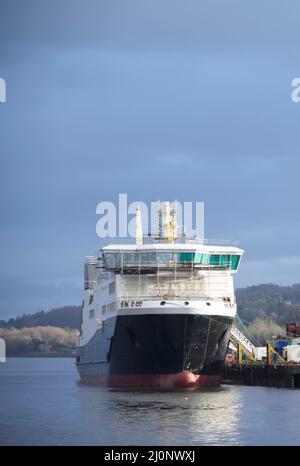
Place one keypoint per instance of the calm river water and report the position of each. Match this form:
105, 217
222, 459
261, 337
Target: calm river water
42, 402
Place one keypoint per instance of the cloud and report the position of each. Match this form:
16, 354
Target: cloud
280, 270
152, 24
162, 100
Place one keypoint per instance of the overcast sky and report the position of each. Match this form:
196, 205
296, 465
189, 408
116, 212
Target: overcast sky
160, 99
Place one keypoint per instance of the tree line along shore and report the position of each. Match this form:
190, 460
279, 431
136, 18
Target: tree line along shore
264, 309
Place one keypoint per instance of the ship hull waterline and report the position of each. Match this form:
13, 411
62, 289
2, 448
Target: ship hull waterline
181, 380
156, 352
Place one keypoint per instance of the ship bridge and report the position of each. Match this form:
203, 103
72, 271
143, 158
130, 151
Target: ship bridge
182, 256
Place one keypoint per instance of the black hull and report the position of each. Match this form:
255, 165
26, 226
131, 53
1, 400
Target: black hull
157, 349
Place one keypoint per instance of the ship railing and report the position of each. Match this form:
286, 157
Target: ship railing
153, 239
169, 265
179, 296
212, 242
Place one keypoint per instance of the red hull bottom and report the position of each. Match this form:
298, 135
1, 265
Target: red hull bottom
181, 380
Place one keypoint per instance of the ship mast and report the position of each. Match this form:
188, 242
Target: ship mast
167, 225
138, 227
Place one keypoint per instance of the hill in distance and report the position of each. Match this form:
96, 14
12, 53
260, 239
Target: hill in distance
279, 303
63, 317
267, 301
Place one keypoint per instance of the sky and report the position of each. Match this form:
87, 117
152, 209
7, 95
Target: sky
160, 99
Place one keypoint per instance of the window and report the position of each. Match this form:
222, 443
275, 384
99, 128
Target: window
186, 257
127, 259
92, 313
214, 259
235, 259
201, 258
165, 257
198, 258
112, 287
205, 258
111, 259
148, 257
112, 307
225, 260
218, 260
130, 258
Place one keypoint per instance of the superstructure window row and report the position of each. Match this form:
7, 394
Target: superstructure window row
169, 259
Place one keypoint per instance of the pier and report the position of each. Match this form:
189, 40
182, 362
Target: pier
256, 373
271, 371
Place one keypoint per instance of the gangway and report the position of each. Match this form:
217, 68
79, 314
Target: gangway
237, 337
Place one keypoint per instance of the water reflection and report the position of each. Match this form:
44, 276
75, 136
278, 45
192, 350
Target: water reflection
166, 418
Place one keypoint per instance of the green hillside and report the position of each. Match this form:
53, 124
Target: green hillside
279, 303
64, 317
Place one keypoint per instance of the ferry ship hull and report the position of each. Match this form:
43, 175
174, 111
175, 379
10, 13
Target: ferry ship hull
165, 351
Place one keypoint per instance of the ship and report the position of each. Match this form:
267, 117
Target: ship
157, 312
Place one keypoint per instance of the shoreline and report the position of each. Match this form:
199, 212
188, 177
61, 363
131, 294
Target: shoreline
34, 355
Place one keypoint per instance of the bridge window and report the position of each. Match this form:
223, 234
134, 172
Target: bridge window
198, 258
214, 259
218, 260
117, 259
235, 259
165, 257
186, 257
130, 258
147, 257
225, 260
201, 258
112, 259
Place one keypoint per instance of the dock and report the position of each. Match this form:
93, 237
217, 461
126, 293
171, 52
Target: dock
261, 366
257, 374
